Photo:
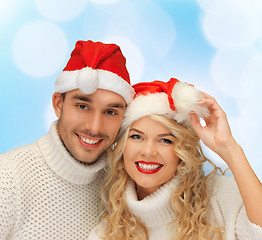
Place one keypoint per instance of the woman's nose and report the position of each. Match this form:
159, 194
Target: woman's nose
149, 148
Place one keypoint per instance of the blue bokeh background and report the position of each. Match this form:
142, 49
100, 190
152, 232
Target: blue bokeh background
215, 45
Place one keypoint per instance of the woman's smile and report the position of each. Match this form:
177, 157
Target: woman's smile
148, 167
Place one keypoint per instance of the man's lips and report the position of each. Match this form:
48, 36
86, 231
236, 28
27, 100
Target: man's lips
148, 167
89, 142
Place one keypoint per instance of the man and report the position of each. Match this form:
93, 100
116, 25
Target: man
50, 189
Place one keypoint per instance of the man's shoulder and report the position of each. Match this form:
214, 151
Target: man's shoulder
11, 156
24, 149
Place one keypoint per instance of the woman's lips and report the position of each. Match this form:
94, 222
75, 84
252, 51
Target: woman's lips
148, 167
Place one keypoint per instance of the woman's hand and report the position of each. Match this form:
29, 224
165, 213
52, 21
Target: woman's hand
216, 134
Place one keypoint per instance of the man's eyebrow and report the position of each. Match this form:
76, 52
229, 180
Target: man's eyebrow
116, 105
82, 98
87, 99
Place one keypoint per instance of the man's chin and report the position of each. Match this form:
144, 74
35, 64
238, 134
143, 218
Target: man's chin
90, 160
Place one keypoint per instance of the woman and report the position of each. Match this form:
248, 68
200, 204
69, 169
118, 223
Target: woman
156, 187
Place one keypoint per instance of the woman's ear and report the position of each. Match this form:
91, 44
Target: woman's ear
57, 101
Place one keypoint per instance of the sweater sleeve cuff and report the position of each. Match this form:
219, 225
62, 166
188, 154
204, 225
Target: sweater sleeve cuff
245, 229
255, 231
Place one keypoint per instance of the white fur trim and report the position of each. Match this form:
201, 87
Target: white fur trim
144, 105
88, 80
185, 98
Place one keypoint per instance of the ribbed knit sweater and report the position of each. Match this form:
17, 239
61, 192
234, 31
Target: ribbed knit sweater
226, 210
46, 194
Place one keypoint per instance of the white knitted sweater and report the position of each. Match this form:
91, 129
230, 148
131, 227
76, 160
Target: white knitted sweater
226, 210
46, 194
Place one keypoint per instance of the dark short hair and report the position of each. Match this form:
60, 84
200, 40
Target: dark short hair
63, 95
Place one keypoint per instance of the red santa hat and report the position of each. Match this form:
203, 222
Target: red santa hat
96, 65
174, 99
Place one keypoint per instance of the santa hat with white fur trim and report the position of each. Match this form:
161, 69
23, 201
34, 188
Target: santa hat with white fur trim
96, 65
174, 99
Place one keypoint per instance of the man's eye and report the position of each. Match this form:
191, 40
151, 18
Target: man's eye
83, 106
110, 112
135, 136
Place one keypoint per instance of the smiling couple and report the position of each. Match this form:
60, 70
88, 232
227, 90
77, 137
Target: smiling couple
137, 150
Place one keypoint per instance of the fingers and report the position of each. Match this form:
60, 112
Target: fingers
217, 116
216, 112
211, 103
195, 123
207, 95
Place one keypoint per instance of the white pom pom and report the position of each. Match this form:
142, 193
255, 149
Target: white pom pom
186, 98
87, 80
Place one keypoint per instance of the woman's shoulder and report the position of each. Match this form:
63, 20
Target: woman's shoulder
218, 179
223, 187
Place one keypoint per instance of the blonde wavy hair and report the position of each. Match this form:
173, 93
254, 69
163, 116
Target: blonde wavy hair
189, 200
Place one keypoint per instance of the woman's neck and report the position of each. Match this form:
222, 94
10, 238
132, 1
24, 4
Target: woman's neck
143, 192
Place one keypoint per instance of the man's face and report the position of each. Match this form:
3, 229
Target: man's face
88, 124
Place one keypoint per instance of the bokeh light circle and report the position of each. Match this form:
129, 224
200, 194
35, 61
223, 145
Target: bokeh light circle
226, 69
104, 2
39, 48
231, 23
61, 10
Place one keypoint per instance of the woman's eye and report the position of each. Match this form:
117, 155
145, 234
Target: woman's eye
165, 140
135, 136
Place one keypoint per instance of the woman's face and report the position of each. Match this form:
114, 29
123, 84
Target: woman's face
149, 156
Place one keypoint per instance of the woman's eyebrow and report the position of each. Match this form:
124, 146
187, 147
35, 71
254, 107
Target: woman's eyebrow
159, 135
136, 130
166, 134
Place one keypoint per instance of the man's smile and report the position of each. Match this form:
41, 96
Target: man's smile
89, 142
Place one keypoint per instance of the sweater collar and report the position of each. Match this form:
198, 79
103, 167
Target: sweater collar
155, 209
63, 164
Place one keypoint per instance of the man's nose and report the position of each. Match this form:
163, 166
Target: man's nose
95, 123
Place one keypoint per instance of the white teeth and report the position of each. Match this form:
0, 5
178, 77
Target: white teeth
89, 141
149, 166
